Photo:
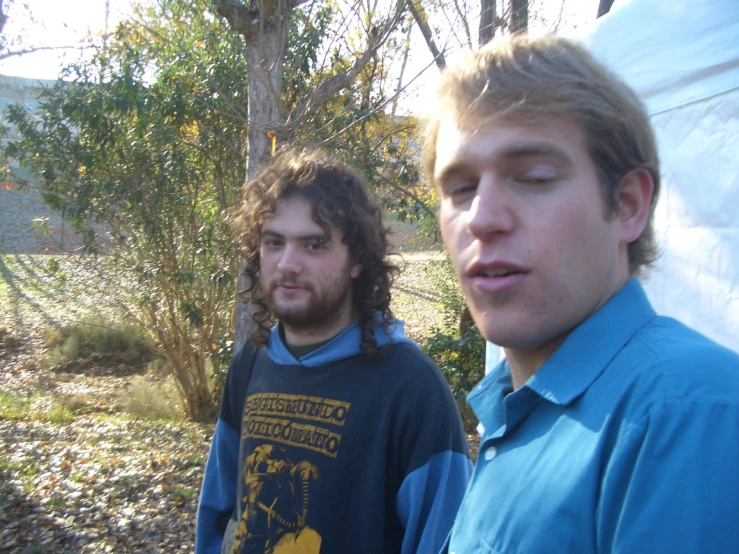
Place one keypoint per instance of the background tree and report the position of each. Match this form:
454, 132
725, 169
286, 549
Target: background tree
519, 18
148, 137
265, 28
158, 131
151, 136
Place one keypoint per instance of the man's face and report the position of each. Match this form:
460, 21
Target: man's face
306, 276
525, 224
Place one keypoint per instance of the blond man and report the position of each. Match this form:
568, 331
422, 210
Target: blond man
607, 428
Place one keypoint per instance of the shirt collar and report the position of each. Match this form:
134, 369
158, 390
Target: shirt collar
573, 367
586, 352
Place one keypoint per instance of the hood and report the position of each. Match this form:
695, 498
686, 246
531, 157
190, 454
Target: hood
343, 345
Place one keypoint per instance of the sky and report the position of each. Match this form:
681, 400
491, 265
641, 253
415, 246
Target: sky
57, 24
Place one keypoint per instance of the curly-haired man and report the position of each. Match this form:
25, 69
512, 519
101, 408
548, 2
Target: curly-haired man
336, 434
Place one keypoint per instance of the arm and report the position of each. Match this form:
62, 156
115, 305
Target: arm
220, 480
672, 484
218, 492
432, 457
428, 500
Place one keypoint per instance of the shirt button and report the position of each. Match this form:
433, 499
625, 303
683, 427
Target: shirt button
490, 453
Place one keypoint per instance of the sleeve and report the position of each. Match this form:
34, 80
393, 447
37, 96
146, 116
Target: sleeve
428, 501
438, 467
218, 491
672, 483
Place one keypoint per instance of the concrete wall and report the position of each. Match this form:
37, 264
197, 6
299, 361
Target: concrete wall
18, 209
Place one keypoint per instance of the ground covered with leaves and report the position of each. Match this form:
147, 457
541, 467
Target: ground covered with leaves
99, 484
78, 474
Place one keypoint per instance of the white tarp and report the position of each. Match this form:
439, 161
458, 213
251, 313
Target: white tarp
682, 58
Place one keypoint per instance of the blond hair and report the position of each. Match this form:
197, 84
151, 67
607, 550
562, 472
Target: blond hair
525, 78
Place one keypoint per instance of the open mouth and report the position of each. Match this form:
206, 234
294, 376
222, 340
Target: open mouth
498, 272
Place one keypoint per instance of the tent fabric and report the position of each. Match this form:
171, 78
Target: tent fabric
682, 59
672, 52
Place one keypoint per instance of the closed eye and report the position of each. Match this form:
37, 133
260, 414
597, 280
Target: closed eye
460, 191
536, 179
536, 169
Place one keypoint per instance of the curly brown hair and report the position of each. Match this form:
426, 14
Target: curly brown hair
338, 196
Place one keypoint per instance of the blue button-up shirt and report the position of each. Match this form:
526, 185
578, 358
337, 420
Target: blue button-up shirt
626, 440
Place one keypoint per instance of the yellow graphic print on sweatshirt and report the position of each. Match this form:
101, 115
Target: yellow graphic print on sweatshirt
276, 489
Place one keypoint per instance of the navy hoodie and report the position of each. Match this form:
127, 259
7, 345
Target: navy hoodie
334, 452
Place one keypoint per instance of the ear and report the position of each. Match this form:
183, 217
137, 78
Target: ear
634, 204
355, 270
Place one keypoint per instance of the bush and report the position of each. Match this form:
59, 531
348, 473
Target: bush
457, 348
153, 400
461, 358
97, 336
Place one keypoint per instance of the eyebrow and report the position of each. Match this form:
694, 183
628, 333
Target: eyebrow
302, 238
534, 149
514, 151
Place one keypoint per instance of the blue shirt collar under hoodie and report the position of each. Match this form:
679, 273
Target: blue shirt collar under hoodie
343, 345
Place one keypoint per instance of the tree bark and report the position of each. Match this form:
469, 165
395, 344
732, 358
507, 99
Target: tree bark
263, 24
487, 21
265, 55
265, 31
519, 16
604, 6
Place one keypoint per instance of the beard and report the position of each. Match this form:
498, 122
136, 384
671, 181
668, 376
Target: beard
321, 307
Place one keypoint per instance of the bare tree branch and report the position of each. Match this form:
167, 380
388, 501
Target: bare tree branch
406, 51
31, 50
246, 21
325, 91
422, 21
604, 6
241, 19
519, 16
462, 16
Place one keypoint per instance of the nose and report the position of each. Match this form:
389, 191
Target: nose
289, 262
491, 211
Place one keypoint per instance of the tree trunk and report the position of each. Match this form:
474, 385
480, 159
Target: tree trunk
604, 6
487, 21
265, 54
519, 16
264, 25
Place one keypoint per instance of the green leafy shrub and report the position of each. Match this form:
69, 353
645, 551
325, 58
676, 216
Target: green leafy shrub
97, 337
457, 348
